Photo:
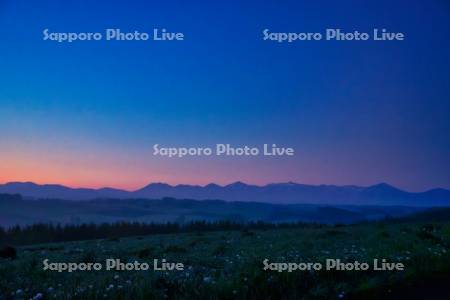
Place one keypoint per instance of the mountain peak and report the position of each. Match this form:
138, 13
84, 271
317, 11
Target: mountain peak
19, 183
383, 185
158, 184
237, 184
212, 185
384, 190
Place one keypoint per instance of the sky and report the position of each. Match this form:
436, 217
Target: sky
356, 113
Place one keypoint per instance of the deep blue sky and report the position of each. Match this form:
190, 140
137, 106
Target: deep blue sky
88, 113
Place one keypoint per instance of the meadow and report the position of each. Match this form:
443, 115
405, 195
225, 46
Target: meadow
229, 264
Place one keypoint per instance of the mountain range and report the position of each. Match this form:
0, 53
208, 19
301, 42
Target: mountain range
279, 193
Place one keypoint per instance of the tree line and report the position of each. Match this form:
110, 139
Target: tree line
49, 233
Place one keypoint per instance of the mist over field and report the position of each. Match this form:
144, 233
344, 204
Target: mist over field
14, 210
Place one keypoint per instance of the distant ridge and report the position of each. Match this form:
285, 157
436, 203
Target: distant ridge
283, 193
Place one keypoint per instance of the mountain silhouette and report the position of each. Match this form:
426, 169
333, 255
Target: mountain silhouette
282, 193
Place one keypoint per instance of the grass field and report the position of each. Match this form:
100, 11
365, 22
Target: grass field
229, 265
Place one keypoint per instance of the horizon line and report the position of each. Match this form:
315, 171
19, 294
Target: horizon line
212, 183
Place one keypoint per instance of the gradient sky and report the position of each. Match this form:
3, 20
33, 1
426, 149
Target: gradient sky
88, 113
